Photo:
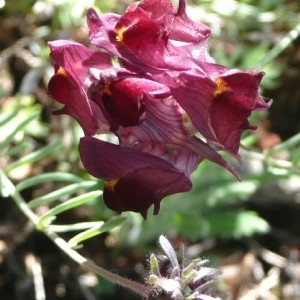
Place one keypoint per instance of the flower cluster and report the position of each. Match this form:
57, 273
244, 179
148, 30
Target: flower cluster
153, 85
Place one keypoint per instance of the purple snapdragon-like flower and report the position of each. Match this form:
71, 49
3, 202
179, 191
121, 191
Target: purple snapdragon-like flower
219, 107
133, 179
164, 90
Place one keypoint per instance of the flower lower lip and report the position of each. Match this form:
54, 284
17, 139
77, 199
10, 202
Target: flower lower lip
134, 180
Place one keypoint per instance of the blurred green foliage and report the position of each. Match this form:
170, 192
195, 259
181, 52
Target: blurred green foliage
243, 32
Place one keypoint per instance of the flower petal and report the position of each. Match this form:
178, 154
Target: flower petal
122, 100
166, 133
102, 30
151, 34
186, 30
220, 108
138, 190
194, 93
70, 82
143, 37
134, 180
232, 107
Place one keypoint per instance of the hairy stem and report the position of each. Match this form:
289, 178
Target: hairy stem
91, 266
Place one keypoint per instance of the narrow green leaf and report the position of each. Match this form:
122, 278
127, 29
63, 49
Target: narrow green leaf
35, 156
58, 194
91, 232
5, 186
249, 140
111, 224
18, 149
41, 178
6, 117
75, 227
279, 48
7, 139
292, 142
69, 204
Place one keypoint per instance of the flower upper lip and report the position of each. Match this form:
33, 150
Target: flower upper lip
144, 34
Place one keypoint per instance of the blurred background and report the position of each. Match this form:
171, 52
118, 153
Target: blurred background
249, 229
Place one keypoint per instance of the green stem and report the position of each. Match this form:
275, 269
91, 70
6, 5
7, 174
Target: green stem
9, 190
279, 48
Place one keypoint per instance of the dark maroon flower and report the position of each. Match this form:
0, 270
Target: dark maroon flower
122, 99
219, 107
121, 102
133, 180
70, 83
166, 132
97, 95
153, 33
152, 157
167, 102
217, 101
